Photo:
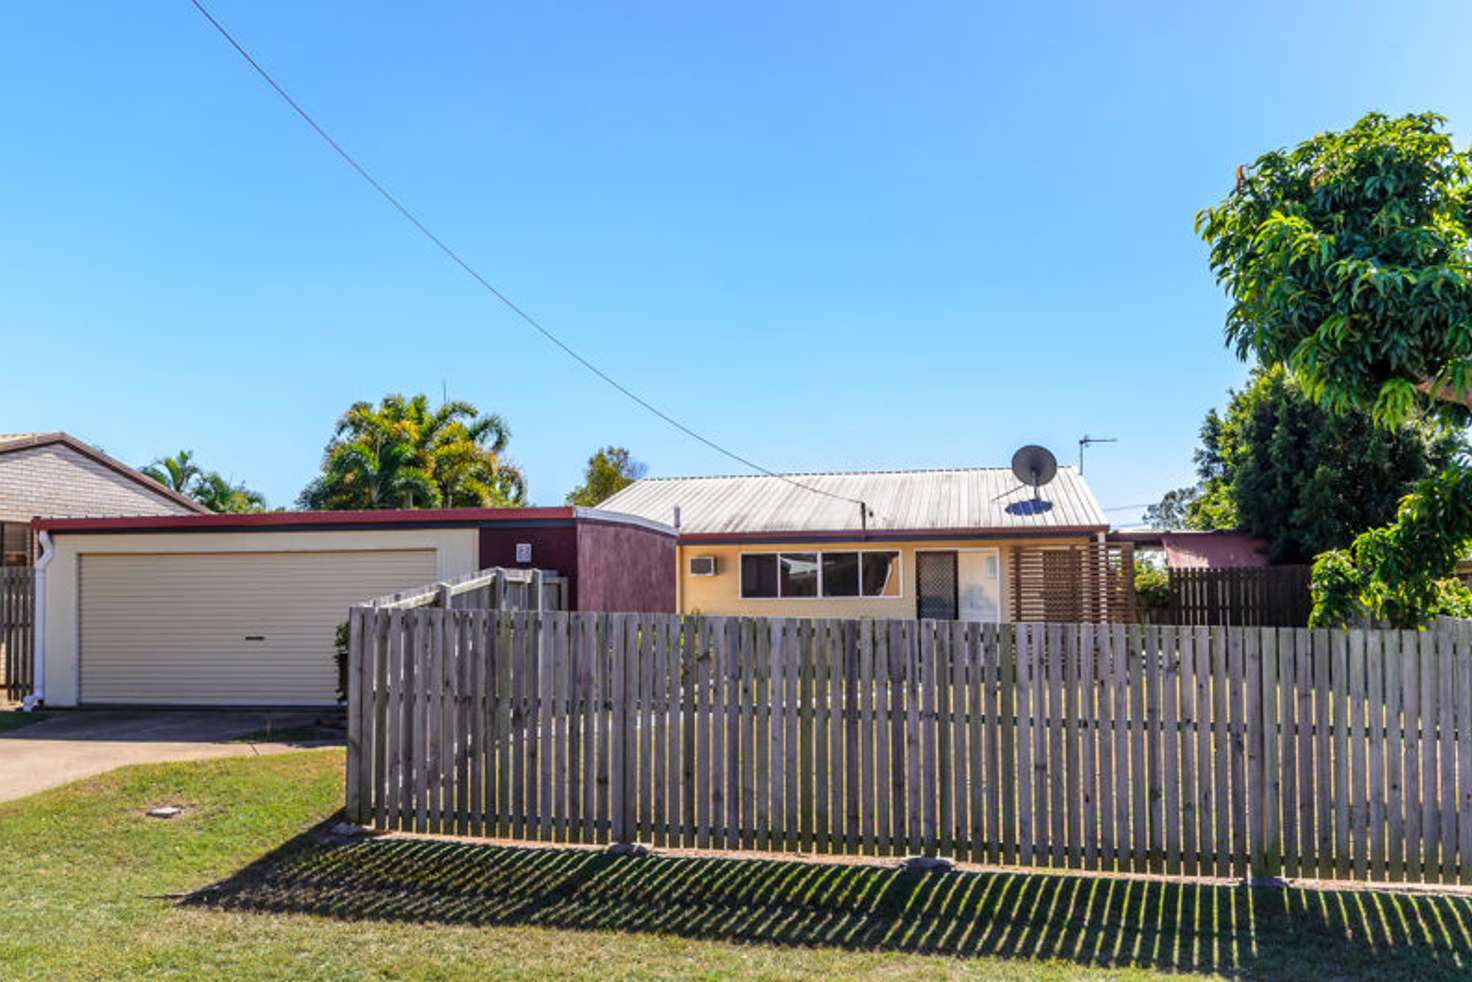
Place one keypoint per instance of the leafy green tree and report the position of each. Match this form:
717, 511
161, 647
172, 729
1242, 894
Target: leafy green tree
1172, 510
609, 471
1279, 465
402, 453
181, 473
1347, 258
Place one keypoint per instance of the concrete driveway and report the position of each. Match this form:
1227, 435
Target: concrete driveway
82, 743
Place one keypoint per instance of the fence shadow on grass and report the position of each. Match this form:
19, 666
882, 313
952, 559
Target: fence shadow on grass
1084, 920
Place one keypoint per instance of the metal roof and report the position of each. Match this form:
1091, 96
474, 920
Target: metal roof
979, 498
1213, 550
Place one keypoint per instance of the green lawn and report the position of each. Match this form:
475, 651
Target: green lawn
87, 884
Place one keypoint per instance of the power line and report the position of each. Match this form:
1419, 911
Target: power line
470, 270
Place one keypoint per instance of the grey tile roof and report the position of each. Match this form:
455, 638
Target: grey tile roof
911, 500
20, 443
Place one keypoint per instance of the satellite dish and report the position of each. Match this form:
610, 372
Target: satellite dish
1034, 466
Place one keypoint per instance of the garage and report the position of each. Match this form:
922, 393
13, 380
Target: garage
235, 628
240, 610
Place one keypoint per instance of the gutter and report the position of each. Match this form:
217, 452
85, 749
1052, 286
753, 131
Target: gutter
38, 625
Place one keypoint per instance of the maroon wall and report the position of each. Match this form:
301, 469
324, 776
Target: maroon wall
625, 568
609, 566
554, 548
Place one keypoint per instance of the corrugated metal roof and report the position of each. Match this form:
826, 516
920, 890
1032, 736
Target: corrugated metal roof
912, 500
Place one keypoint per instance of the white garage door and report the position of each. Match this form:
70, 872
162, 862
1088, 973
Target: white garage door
226, 628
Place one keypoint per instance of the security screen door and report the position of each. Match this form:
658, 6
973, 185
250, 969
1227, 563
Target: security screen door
935, 585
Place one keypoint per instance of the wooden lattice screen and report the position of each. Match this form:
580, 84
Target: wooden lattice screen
1090, 583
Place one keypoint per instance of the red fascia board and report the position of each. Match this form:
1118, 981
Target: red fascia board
290, 519
879, 535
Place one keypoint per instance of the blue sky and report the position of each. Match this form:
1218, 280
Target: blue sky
833, 237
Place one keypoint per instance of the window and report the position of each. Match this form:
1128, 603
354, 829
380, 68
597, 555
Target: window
15, 544
766, 575
799, 574
881, 574
759, 575
840, 574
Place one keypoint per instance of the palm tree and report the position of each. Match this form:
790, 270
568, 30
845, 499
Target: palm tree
404, 454
177, 473
218, 495
182, 474
383, 474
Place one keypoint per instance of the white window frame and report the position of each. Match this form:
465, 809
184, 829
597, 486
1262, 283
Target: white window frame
899, 565
1001, 575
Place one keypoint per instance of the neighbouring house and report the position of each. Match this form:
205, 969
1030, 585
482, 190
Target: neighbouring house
965, 544
1215, 549
241, 609
55, 475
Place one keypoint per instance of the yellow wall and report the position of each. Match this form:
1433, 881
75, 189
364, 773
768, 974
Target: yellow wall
721, 594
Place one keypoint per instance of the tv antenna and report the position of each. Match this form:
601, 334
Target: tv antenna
1034, 466
1089, 441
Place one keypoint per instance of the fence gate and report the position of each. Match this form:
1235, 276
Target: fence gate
17, 626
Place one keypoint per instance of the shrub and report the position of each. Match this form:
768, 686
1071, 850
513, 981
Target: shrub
340, 657
1152, 590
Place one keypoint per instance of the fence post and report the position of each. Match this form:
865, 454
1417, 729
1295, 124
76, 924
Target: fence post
354, 670
1264, 779
618, 784
537, 601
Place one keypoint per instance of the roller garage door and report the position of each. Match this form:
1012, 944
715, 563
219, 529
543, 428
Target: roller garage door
240, 628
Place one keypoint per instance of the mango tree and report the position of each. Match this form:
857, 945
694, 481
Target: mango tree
1347, 259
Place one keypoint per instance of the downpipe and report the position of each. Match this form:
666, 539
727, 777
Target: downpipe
38, 626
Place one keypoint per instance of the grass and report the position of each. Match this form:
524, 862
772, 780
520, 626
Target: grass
88, 879
14, 719
304, 734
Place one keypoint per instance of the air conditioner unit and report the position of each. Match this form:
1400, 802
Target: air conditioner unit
702, 565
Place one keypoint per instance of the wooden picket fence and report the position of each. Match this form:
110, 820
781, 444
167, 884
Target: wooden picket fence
17, 632
494, 588
1206, 751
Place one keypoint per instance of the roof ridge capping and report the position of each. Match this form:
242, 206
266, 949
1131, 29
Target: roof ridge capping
951, 498
779, 475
